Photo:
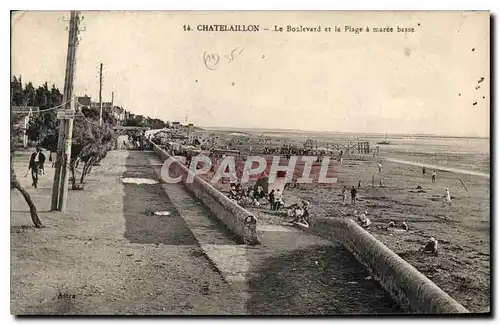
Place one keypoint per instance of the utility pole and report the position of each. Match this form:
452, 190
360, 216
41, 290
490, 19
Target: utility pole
100, 94
112, 99
60, 185
63, 196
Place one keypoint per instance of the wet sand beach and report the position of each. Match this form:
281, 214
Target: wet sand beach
462, 267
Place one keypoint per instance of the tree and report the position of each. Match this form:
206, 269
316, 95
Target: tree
14, 182
45, 122
90, 144
17, 94
29, 95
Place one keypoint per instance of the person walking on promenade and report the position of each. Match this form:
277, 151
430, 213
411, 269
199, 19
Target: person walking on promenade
353, 196
36, 161
41, 162
52, 160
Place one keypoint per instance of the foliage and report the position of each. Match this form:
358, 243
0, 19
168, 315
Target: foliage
90, 144
16, 133
90, 141
140, 120
93, 114
44, 123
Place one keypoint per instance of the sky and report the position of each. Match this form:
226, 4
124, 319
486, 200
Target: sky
420, 82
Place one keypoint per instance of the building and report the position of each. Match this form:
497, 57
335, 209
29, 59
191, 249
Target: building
119, 114
83, 101
176, 125
105, 105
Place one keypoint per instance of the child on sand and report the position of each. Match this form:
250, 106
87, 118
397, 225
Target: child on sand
353, 195
430, 246
344, 195
447, 196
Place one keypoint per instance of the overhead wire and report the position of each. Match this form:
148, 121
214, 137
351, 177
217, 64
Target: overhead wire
44, 110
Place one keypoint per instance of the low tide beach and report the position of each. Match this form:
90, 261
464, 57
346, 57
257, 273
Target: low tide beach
462, 266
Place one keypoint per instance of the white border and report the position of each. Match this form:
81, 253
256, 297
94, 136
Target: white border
193, 5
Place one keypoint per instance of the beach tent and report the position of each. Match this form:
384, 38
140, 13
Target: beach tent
262, 182
279, 182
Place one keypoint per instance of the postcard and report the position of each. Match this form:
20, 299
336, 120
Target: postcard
250, 163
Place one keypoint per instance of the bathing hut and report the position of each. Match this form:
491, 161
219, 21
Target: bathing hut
279, 182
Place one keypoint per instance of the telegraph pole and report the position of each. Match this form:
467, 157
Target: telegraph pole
60, 185
112, 99
100, 94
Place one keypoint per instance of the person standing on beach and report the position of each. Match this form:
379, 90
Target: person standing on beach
447, 196
344, 195
434, 176
380, 167
353, 195
277, 200
423, 171
271, 199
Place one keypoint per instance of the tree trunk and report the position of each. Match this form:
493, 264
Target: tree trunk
34, 215
91, 164
84, 172
73, 180
14, 183
86, 169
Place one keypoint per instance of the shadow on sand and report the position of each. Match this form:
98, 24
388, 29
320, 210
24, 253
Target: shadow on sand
316, 280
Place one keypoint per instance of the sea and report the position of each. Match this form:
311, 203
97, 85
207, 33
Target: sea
462, 154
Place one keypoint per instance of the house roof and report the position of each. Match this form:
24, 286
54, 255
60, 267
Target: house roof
23, 110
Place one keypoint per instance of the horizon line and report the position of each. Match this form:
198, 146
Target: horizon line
236, 128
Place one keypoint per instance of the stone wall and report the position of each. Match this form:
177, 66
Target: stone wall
408, 287
237, 219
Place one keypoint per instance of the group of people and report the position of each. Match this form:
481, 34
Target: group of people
251, 194
300, 213
433, 175
276, 200
447, 195
353, 193
254, 193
